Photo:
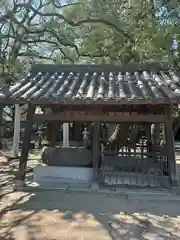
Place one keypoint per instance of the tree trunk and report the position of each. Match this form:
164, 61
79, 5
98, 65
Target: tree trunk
176, 125
149, 139
119, 135
20, 177
1, 120
155, 135
134, 135
110, 130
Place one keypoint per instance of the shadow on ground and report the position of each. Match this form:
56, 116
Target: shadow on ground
58, 215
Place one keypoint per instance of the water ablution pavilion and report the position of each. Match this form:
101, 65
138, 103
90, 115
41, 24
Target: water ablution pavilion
126, 112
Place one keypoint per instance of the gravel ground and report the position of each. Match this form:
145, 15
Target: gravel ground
57, 215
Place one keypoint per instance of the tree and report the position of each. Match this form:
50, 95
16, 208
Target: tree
100, 31
29, 33
122, 32
73, 31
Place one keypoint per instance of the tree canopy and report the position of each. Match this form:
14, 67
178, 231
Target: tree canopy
82, 31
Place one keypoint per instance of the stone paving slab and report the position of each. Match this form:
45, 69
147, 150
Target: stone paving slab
134, 194
79, 187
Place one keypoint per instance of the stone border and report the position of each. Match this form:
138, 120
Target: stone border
136, 194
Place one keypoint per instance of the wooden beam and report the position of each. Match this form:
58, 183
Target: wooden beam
170, 145
148, 135
20, 177
145, 109
96, 149
80, 116
53, 133
1, 123
16, 137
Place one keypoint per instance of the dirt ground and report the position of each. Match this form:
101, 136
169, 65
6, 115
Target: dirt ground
57, 215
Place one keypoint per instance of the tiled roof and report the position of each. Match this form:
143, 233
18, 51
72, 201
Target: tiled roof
92, 83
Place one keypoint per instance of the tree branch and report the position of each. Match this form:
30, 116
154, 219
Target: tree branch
85, 21
29, 54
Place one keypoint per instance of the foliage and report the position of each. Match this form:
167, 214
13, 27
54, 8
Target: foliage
129, 32
61, 31
31, 31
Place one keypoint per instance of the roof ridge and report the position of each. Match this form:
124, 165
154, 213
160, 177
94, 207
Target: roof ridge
132, 67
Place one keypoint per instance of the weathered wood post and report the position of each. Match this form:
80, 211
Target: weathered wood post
171, 159
148, 134
96, 153
53, 133
77, 132
20, 177
16, 137
1, 120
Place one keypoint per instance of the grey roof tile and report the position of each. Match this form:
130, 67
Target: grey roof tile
95, 83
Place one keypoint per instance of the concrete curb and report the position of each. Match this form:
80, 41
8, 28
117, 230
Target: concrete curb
153, 196
137, 194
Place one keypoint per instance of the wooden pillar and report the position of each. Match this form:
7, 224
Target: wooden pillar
77, 132
53, 133
163, 140
171, 159
16, 137
1, 127
157, 133
20, 177
96, 150
66, 135
149, 142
